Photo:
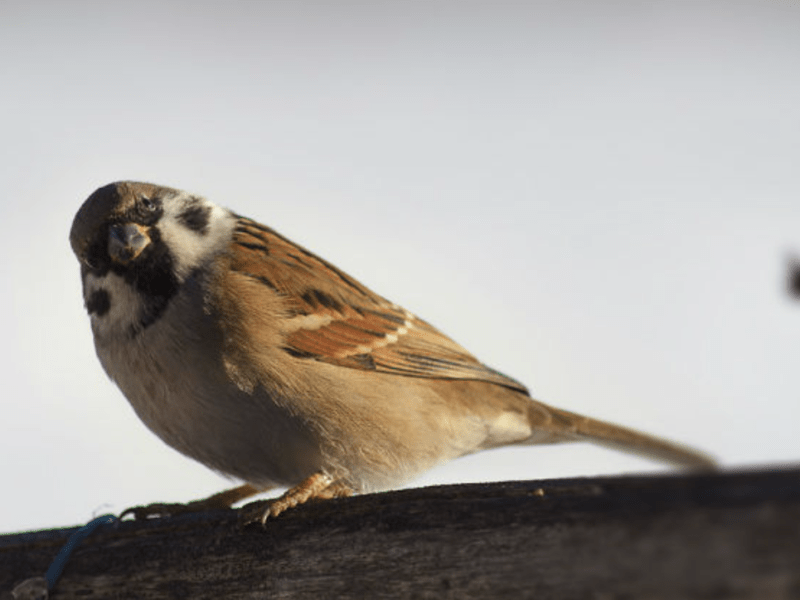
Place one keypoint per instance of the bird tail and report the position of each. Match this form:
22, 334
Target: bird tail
552, 425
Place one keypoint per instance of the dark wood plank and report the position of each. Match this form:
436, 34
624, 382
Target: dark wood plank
726, 535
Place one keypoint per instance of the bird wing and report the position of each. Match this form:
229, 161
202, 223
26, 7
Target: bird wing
333, 318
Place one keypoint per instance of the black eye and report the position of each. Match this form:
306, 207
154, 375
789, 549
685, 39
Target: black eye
147, 210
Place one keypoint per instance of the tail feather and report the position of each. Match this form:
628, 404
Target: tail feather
555, 425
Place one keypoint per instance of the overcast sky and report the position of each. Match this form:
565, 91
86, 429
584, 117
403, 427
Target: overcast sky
598, 198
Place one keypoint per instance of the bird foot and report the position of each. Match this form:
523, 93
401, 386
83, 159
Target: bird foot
219, 501
317, 487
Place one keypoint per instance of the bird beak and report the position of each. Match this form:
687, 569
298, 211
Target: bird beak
126, 242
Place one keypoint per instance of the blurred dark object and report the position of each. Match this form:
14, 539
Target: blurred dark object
793, 278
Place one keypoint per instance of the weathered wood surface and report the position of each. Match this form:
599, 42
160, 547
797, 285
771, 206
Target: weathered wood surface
732, 535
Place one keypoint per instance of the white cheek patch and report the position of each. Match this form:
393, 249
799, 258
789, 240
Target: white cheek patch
114, 306
190, 248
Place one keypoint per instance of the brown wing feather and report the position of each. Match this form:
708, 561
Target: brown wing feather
335, 319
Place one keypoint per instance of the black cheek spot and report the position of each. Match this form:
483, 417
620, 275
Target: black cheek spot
196, 217
98, 303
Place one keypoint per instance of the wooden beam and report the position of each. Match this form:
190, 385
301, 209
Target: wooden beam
726, 535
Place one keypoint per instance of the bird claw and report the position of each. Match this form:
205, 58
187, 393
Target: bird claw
256, 513
158, 510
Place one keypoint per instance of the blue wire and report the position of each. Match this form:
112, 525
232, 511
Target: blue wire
59, 562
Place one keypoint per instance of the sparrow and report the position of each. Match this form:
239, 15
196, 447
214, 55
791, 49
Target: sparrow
268, 364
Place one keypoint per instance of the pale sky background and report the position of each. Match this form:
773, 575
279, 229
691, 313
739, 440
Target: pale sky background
597, 198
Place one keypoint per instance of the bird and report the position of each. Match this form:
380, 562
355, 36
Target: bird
264, 362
